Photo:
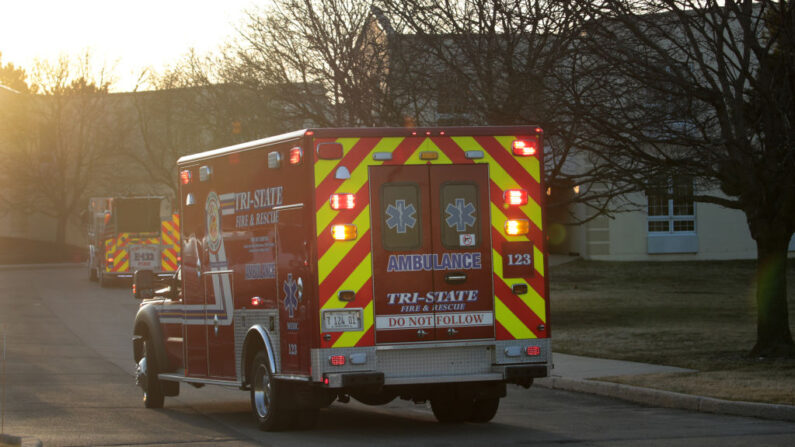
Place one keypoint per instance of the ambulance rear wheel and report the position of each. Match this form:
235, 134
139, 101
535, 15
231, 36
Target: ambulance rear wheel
449, 409
484, 410
104, 280
267, 396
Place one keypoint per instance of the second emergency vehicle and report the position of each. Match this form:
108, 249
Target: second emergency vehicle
325, 264
128, 234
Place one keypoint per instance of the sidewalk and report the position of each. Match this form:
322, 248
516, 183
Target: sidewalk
581, 374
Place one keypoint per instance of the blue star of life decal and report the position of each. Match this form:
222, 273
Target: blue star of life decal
401, 217
290, 295
461, 215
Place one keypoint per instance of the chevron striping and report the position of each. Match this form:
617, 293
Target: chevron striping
351, 338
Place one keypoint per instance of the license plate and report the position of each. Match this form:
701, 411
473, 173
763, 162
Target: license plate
342, 320
144, 258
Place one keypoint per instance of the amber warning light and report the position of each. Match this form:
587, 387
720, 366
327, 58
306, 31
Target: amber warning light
344, 232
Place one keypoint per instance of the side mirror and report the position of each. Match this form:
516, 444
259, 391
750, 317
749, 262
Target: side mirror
143, 284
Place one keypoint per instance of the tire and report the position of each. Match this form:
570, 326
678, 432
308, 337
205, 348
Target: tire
146, 376
267, 396
305, 419
104, 280
382, 398
484, 410
449, 409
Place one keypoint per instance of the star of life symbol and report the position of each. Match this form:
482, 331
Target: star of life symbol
291, 295
401, 217
461, 215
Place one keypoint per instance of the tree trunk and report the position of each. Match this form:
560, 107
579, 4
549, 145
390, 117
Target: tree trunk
773, 336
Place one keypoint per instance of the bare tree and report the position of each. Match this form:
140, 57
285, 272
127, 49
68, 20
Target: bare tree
326, 61
186, 110
56, 141
701, 90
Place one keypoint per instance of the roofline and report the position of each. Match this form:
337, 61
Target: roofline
349, 132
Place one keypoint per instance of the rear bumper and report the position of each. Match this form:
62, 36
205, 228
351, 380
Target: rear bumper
476, 361
130, 274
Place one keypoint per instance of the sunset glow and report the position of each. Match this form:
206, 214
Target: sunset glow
127, 36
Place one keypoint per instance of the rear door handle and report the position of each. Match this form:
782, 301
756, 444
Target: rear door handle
455, 277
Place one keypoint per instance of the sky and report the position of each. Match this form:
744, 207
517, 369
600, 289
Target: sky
124, 35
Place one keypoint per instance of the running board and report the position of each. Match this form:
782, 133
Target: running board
182, 378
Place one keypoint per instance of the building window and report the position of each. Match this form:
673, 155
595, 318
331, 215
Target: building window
671, 208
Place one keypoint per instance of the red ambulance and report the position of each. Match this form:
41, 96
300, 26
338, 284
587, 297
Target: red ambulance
371, 263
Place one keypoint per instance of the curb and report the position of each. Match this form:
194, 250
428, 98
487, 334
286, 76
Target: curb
670, 399
65, 265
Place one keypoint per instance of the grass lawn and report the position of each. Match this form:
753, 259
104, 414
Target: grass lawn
697, 315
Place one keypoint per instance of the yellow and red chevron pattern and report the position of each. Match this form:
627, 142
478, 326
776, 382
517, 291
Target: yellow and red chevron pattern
116, 250
170, 246
346, 265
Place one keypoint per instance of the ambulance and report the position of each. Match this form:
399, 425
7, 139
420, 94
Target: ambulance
127, 234
373, 263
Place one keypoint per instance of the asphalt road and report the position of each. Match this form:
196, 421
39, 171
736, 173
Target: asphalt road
69, 381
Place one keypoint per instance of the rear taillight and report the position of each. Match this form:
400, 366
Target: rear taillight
517, 227
533, 351
515, 197
344, 232
337, 360
524, 148
296, 155
256, 301
110, 261
344, 201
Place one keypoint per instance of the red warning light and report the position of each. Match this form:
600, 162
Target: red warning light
524, 148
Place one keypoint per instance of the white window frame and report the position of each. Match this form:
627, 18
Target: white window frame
670, 217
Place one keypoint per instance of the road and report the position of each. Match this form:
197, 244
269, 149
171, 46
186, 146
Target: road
69, 381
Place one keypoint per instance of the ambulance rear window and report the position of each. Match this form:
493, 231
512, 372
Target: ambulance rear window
460, 216
401, 228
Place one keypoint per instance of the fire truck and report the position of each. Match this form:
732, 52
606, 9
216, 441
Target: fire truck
376, 263
128, 234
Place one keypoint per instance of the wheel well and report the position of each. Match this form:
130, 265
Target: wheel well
251, 347
140, 331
